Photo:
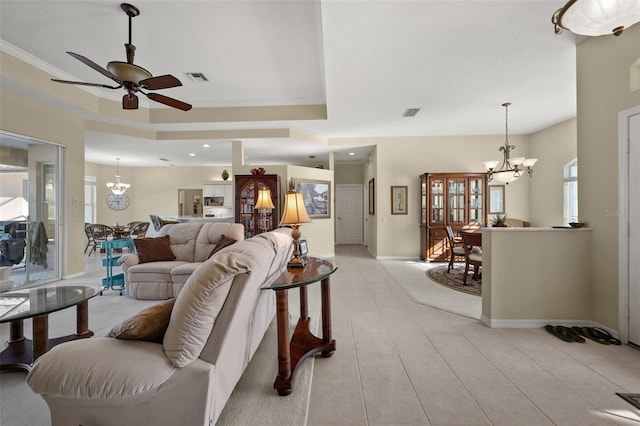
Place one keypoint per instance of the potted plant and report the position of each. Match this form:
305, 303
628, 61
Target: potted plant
499, 221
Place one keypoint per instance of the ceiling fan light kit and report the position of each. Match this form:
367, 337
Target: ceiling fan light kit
132, 77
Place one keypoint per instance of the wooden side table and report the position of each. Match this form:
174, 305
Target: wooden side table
303, 344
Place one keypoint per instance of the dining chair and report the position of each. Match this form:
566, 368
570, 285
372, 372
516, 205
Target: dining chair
471, 256
139, 230
89, 237
99, 233
456, 248
159, 222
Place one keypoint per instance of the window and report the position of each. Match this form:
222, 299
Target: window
570, 197
90, 199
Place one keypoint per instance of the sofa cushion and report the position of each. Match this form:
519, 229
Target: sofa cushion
199, 303
210, 235
180, 274
107, 368
183, 237
224, 242
154, 249
149, 324
153, 271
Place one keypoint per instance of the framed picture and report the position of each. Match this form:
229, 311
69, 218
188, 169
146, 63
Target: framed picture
496, 199
304, 248
399, 200
372, 192
316, 195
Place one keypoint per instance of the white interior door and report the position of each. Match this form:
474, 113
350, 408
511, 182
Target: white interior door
634, 229
349, 214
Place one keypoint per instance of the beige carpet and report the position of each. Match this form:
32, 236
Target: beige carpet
253, 402
454, 279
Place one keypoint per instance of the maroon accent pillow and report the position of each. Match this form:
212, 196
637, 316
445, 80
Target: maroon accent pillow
149, 324
224, 241
154, 249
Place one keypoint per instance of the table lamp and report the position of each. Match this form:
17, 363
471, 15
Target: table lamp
294, 214
263, 203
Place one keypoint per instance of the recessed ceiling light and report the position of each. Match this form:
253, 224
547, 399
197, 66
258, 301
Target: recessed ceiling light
206, 145
191, 154
352, 153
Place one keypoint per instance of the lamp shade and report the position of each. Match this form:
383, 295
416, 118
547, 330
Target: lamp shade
264, 199
294, 209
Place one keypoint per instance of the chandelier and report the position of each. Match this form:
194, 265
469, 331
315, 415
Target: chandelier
596, 17
118, 188
511, 168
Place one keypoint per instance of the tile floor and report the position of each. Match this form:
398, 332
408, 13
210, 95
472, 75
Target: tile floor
402, 363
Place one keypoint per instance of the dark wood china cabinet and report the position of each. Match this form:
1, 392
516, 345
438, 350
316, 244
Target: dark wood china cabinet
449, 199
256, 221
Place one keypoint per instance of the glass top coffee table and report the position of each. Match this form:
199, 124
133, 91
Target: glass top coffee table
38, 303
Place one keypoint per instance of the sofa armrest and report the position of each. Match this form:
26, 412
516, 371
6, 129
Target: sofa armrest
128, 260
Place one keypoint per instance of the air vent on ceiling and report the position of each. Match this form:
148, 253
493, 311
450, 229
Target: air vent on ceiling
196, 77
411, 112
164, 159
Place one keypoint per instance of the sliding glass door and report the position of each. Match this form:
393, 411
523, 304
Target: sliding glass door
30, 201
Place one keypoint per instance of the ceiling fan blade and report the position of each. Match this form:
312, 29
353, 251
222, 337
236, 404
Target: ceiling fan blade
129, 101
95, 66
160, 82
82, 83
168, 101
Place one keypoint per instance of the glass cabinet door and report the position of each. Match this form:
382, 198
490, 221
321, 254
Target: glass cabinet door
456, 208
247, 201
476, 200
423, 202
437, 200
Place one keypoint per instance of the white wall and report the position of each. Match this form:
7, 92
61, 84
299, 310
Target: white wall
554, 147
604, 68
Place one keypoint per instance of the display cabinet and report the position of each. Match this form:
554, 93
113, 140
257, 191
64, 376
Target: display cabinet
449, 199
256, 221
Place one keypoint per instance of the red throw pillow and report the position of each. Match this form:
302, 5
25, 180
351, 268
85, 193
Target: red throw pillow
153, 249
224, 241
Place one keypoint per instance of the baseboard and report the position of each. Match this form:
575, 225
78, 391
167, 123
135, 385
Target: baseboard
539, 323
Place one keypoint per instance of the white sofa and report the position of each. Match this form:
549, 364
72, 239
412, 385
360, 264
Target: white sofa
191, 244
216, 324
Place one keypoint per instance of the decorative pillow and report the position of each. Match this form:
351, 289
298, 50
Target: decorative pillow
154, 249
149, 324
224, 241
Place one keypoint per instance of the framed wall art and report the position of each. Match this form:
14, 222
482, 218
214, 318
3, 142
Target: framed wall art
399, 199
316, 195
372, 192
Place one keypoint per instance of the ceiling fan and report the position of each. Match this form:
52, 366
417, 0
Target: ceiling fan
133, 78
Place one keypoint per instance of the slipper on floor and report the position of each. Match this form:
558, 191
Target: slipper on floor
571, 333
586, 332
560, 332
604, 335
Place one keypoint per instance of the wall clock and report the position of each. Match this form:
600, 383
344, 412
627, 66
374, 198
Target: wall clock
118, 202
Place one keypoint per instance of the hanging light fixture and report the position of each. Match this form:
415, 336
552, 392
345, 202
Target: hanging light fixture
511, 168
596, 17
118, 188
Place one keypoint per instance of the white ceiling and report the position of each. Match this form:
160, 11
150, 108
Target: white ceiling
368, 61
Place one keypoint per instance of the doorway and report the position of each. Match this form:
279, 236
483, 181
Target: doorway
349, 214
629, 226
30, 241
